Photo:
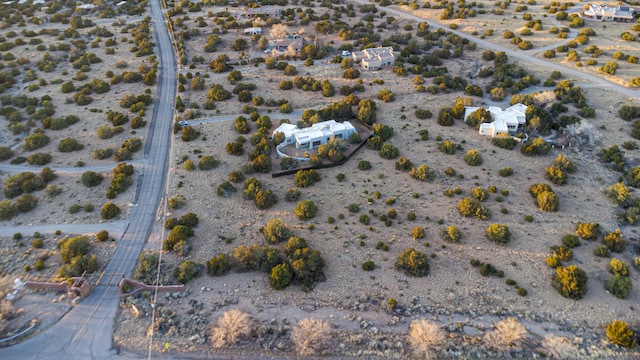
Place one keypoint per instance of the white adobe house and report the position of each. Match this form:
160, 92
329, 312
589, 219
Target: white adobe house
506, 121
253, 31
622, 13
374, 58
315, 135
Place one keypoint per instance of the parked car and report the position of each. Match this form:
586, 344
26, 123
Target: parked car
346, 53
183, 123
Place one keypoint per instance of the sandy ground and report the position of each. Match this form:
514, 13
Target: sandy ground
353, 301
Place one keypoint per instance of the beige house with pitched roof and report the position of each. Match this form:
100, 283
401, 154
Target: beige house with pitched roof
296, 42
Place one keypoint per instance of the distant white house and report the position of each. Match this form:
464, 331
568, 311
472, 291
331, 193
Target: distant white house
599, 12
506, 121
374, 58
253, 31
315, 135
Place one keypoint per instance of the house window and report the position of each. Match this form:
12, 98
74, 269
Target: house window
304, 145
316, 143
338, 136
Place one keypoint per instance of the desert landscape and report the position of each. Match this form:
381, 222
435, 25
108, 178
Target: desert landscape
317, 263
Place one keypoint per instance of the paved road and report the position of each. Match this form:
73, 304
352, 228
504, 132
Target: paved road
86, 331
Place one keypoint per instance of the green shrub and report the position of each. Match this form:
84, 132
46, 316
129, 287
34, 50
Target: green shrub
422, 173
588, 231
504, 141
281, 276
353, 208
553, 261
305, 209
187, 270
472, 207
39, 265
615, 241
102, 235
110, 211
276, 231
219, 265
364, 165
473, 157
265, 198
601, 251
368, 265
208, 162
537, 146
5, 153
147, 268
618, 332
504, 172
633, 176
619, 286
403, 164
364, 219
499, 233
91, 178
619, 194
74, 247
423, 114
487, 269
69, 145
547, 201
563, 253
26, 203
417, 233
225, 189
292, 195
79, 265
37, 243
305, 178
388, 151
447, 147
618, 268
480, 194
412, 263
35, 141
570, 281
571, 241
451, 234
39, 159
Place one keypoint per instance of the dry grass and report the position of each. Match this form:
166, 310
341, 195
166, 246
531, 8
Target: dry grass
311, 336
425, 338
509, 333
232, 326
7, 312
558, 347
